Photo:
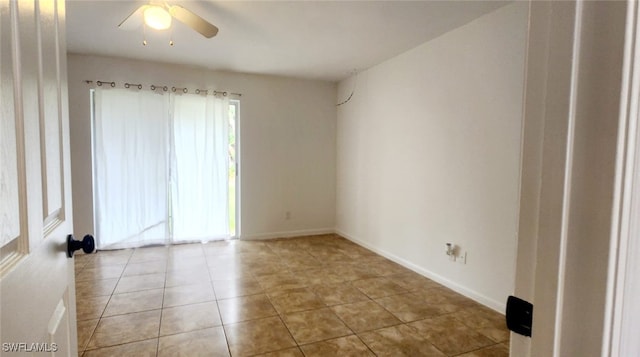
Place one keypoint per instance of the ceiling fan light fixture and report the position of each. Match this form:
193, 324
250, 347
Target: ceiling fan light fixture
157, 18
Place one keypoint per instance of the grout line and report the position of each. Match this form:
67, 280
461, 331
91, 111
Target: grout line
164, 287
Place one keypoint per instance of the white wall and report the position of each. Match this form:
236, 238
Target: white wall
288, 129
429, 153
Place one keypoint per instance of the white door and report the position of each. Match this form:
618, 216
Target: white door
576, 72
37, 296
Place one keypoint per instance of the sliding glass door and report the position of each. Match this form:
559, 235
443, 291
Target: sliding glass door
161, 168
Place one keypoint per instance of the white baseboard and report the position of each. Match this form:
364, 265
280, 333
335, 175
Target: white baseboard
287, 234
498, 306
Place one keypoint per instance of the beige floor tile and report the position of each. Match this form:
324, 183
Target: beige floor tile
142, 268
280, 281
355, 251
258, 259
263, 252
499, 350
99, 273
387, 268
450, 335
91, 307
251, 246
138, 301
378, 287
186, 277
104, 258
85, 330
117, 330
133, 283
258, 336
485, 321
86, 288
146, 348
289, 352
149, 254
225, 289
397, 341
295, 300
245, 308
187, 263
187, 318
258, 270
442, 301
343, 346
413, 281
182, 251
207, 342
301, 261
228, 272
214, 249
328, 255
318, 276
337, 294
365, 315
188, 294
408, 307
223, 260
315, 325
452, 297
361, 270
346, 272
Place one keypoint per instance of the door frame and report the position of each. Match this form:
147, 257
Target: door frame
579, 157
623, 290
238, 193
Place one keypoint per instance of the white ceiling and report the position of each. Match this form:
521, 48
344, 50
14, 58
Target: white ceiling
306, 39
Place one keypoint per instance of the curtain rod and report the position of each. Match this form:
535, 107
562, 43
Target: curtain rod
164, 88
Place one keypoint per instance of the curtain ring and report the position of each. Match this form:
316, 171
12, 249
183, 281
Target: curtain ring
184, 90
197, 91
153, 87
165, 88
173, 89
126, 85
139, 86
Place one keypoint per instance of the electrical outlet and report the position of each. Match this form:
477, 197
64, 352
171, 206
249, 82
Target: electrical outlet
462, 258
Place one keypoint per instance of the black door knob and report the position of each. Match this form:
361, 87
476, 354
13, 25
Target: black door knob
88, 244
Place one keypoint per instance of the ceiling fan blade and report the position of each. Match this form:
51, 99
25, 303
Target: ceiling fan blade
194, 21
134, 20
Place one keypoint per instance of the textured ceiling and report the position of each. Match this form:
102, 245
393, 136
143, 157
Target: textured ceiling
305, 39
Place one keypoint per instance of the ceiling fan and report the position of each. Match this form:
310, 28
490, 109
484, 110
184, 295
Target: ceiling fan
158, 15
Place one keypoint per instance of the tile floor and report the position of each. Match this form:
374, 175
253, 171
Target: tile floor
308, 296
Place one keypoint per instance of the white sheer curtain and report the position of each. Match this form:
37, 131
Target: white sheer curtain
131, 167
161, 168
199, 168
